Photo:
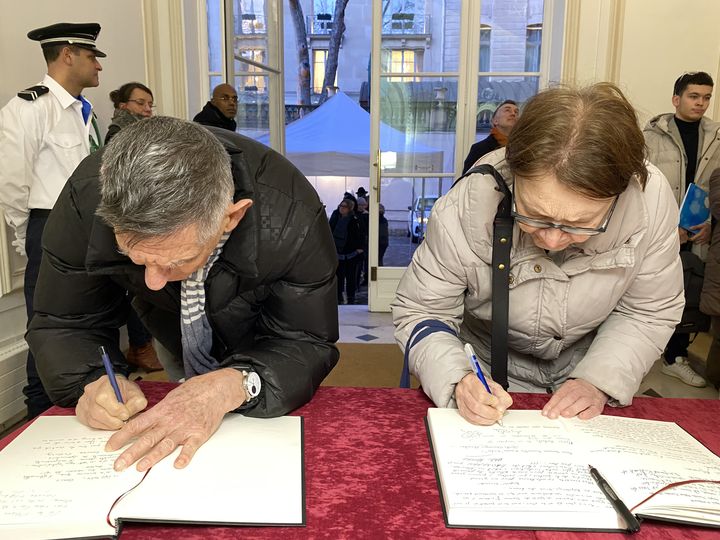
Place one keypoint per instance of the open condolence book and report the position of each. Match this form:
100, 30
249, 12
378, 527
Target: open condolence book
58, 482
532, 472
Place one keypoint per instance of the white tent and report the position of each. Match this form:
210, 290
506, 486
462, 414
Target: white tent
334, 140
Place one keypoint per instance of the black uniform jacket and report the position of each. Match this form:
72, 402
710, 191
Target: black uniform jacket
271, 297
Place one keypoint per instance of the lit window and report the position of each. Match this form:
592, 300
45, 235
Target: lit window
254, 82
401, 61
318, 73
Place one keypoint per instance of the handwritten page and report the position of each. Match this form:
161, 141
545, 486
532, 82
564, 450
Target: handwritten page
533, 472
638, 457
58, 481
522, 474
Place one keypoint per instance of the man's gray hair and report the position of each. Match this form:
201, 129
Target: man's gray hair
161, 175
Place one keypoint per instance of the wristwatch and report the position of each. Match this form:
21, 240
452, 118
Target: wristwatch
252, 384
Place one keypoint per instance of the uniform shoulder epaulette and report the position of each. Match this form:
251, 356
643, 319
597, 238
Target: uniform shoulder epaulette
34, 92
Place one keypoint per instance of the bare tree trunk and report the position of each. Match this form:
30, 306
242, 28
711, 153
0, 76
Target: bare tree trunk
303, 87
331, 63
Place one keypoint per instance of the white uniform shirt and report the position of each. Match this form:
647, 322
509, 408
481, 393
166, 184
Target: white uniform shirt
41, 143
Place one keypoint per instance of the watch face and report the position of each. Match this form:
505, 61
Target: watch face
252, 384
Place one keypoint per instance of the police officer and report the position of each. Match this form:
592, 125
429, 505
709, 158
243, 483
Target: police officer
45, 131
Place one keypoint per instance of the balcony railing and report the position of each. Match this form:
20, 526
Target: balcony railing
251, 24
406, 23
320, 24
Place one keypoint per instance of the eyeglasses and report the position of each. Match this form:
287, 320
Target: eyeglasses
580, 231
234, 99
343, 205
143, 103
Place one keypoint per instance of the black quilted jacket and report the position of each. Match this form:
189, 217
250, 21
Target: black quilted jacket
271, 297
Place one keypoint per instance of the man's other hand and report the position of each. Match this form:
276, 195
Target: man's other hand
702, 234
186, 417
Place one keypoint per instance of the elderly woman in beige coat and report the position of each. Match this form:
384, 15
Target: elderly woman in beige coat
595, 280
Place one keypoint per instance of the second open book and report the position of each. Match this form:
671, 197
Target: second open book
532, 472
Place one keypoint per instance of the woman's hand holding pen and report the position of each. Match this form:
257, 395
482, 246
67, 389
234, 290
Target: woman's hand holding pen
478, 406
99, 408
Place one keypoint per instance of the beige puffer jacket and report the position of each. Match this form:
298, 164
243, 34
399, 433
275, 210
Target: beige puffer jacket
602, 311
666, 151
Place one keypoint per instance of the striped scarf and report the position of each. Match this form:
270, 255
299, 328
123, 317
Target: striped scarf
195, 327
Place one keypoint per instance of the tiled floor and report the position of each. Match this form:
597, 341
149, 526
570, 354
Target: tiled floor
358, 325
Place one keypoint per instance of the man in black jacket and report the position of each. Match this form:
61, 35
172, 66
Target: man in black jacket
503, 120
225, 246
220, 111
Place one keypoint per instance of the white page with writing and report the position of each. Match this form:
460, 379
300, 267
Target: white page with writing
527, 473
638, 457
250, 471
58, 481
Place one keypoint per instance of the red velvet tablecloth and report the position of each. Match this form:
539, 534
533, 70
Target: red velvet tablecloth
369, 473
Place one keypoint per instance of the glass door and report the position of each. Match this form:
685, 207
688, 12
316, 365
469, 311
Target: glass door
253, 65
438, 72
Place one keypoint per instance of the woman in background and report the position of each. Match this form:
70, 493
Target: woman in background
133, 101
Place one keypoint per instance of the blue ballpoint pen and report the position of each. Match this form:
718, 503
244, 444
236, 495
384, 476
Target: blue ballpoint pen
475, 363
111, 374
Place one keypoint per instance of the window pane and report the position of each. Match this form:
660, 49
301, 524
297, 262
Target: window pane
417, 130
319, 58
215, 35
512, 39
494, 90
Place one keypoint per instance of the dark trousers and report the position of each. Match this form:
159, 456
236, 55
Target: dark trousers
36, 398
677, 346
138, 335
347, 278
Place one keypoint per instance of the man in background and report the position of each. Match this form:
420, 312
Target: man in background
684, 146
502, 120
220, 111
45, 131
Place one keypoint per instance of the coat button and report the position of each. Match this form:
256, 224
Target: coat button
511, 279
537, 268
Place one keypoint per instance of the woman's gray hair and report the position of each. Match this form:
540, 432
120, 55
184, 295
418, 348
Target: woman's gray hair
161, 175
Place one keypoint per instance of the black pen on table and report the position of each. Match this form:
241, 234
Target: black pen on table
633, 525
111, 374
475, 363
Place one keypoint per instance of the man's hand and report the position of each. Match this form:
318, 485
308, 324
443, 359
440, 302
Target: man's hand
683, 234
476, 405
99, 408
576, 397
703, 234
186, 417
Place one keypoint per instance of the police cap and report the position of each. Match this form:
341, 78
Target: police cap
78, 34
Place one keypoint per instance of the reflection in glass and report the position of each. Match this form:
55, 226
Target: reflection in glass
510, 35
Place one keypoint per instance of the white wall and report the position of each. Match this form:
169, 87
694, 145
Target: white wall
643, 46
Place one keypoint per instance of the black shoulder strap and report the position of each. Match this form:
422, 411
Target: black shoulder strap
34, 92
502, 242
